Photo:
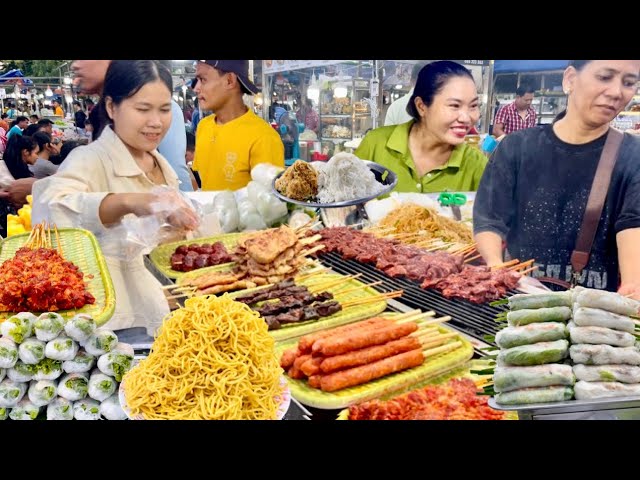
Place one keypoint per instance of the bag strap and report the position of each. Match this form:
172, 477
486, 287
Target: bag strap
595, 203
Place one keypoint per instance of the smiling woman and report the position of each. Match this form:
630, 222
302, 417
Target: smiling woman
428, 153
114, 176
535, 190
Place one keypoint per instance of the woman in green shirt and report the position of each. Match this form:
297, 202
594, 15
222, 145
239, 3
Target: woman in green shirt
428, 153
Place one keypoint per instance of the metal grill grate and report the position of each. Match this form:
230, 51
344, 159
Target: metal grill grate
470, 318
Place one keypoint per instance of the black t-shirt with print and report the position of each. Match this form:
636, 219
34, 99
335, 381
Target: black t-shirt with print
534, 192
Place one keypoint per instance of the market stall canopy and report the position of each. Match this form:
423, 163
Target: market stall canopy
15, 76
509, 66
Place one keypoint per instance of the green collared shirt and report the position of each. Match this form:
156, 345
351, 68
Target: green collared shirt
389, 146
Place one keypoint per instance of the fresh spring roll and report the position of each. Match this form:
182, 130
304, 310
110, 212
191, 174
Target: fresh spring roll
536, 354
101, 386
506, 379
533, 333
21, 372
111, 409
609, 301
575, 291
60, 409
25, 410
604, 355
590, 390
540, 300
17, 328
535, 395
8, 353
48, 326
80, 327
525, 317
117, 362
11, 392
31, 351
4, 413
61, 348
593, 317
42, 392
607, 373
73, 386
87, 409
82, 362
3, 373
601, 335
100, 342
47, 369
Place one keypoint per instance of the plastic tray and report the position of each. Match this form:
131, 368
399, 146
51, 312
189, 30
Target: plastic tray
383, 175
82, 249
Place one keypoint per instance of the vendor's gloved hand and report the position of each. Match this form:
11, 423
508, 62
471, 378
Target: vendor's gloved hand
185, 218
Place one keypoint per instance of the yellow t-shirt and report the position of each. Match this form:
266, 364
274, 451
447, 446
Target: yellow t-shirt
59, 111
225, 154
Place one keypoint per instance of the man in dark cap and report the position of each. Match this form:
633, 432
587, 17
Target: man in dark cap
233, 140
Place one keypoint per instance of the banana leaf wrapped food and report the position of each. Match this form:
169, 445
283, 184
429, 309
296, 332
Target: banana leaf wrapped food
540, 315
604, 354
506, 379
590, 390
533, 333
536, 354
535, 395
595, 317
607, 373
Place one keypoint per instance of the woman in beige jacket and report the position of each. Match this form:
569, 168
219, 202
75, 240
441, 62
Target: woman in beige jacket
100, 183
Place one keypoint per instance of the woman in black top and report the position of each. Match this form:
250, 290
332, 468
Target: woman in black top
535, 188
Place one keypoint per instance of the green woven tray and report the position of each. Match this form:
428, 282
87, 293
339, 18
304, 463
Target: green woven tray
82, 249
348, 315
161, 255
430, 369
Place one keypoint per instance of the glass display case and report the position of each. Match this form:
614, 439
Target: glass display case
344, 112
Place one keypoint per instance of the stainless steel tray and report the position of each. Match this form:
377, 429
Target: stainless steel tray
609, 408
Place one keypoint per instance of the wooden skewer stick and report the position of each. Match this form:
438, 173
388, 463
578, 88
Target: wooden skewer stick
315, 249
310, 240
438, 320
311, 273
522, 265
435, 341
417, 318
355, 289
318, 287
506, 264
409, 314
468, 260
529, 270
377, 298
445, 348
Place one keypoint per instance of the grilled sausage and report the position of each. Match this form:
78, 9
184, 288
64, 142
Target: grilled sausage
365, 373
306, 342
288, 357
362, 339
311, 366
368, 355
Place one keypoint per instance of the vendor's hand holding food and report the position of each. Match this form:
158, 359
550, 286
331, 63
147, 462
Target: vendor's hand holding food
630, 290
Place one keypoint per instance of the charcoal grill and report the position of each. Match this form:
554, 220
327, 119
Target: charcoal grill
474, 320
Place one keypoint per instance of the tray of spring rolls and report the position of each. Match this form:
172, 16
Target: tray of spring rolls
568, 354
338, 367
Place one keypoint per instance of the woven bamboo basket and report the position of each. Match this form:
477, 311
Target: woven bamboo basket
433, 367
82, 249
161, 255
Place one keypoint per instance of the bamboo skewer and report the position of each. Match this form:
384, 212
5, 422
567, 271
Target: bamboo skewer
377, 298
305, 253
310, 240
355, 289
522, 265
333, 283
446, 318
529, 270
506, 264
468, 260
409, 314
443, 349
417, 318
435, 341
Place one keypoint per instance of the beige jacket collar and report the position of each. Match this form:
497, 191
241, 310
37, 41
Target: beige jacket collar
123, 162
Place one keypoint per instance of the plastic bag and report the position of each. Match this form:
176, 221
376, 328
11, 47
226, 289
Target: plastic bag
225, 207
250, 218
270, 207
264, 173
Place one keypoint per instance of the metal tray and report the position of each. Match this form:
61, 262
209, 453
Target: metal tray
389, 181
608, 408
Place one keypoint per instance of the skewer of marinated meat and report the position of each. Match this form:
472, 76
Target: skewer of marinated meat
293, 301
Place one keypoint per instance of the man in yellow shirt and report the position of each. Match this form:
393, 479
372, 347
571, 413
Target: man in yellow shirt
57, 109
233, 140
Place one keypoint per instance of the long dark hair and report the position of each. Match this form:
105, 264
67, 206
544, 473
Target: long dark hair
431, 79
13, 155
123, 80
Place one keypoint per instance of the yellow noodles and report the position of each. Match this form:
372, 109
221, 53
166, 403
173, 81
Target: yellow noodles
212, 360
412, 218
